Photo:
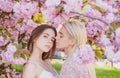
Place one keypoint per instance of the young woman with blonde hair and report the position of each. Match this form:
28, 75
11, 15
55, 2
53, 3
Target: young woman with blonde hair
72, 38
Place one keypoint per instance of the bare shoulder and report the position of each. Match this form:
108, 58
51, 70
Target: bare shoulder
30, 66
29, 71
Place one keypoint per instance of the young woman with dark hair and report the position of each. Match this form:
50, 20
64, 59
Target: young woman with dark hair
42, 46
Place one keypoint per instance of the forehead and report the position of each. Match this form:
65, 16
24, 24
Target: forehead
63, 31
49, 32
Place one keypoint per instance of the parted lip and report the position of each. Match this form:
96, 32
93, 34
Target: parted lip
47, 46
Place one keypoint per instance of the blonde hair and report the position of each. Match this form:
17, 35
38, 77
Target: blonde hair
76, 31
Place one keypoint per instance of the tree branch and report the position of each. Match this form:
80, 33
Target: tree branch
111, 28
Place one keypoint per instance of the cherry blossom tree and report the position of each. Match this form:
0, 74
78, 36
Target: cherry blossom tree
19, 17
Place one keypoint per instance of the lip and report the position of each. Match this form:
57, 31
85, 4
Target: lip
48, 46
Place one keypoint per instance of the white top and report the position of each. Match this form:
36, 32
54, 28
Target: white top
46, 74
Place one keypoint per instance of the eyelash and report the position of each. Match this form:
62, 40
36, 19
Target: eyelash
47, 37
61, 36
52, 40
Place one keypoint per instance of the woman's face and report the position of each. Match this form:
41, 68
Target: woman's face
45, 41
63, 39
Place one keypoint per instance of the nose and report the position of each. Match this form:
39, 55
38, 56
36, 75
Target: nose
50, 41
56, 37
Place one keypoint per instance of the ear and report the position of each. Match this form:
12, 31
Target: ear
72, 42
35, 40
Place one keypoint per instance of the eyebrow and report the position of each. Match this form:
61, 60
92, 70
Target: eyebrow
46, 34
61, 33
49, 35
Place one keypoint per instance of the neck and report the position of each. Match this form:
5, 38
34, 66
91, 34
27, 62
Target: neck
68, 50
36, 54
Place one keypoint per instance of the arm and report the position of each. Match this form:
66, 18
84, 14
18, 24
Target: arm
29, 71
67, 71
72, 69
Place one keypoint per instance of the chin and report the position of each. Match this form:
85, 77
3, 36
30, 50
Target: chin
46, 51
58, 47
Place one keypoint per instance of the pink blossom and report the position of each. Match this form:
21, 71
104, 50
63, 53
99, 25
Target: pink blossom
49, 12
88, 10
117, 37
9, 23
109, 52
111, 55
52, 2
72, 5
28, 25
1, 40
95, 27
8, 55
25, 9
91, 1
117, 17
11, 48
19, 28
7, 8
57, 21
14, 33
117, 32
102, 41
105, 6
61, 18
117, 4
109, 18
116, 58
84, 54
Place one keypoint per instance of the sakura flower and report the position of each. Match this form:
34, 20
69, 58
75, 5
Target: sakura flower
52, 2
25, 9
7, 8
49, 12
88, 10
95, 27
84, 54
72, 5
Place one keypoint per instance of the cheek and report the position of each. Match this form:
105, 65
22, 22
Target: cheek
40, 42
64, 42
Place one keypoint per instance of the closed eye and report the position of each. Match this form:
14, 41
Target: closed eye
61, 34
53, 39
45, 36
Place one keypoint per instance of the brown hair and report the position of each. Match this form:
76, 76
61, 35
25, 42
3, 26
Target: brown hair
35, 34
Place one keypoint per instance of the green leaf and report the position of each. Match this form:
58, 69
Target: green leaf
99, 55
23, 55
0, 57
19, 46
7, 34
1, 77
85, 3
59, 8
17, 54
18, 67
2, 27
27, 53
39, 18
